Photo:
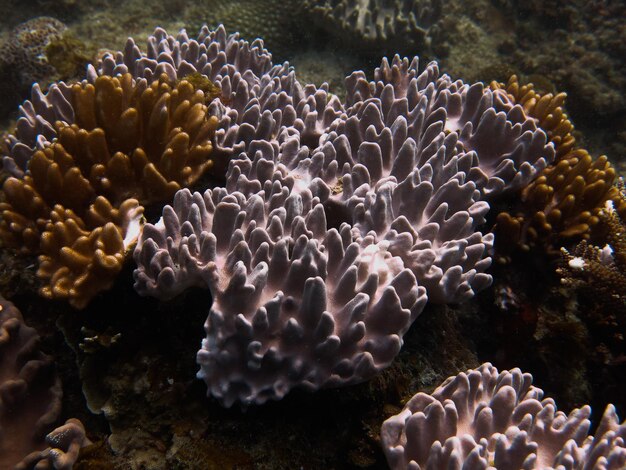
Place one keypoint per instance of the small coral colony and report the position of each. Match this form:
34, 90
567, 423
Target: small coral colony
321, 227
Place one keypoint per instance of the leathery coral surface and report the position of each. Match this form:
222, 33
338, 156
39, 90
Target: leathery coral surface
329, 212
30, 391
483, 419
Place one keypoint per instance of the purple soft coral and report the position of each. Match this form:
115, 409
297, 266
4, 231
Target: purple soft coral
329, 212
483, 419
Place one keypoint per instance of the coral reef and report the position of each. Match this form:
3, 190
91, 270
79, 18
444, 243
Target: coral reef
399, 26
30, 391
121, 143
303, 182
484, 419
375, 201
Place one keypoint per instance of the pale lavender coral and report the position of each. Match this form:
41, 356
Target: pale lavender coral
65, 443
294, 302
34, 128
258, 98
435, 114
374, 145
394, 24
488, 419
394, 182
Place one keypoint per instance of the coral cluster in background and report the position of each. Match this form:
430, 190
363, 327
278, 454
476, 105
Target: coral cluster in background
484, 419
39, 50
591, 60
24, 52
279, 23
397, 26
84, 160
575, 47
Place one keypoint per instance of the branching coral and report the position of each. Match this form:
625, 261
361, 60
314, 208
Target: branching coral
484, 419
599, 274
600, 270
123, 143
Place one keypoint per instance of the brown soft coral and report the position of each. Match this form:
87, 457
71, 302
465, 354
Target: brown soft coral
562, 205
546, 109
80, 203
78, 263
127, 134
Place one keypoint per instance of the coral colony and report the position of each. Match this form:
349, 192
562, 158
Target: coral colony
370, 207
325, 229
483, 419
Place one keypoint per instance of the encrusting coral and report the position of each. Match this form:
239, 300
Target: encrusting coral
116, 144
24, 52
329, 211
483, 419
